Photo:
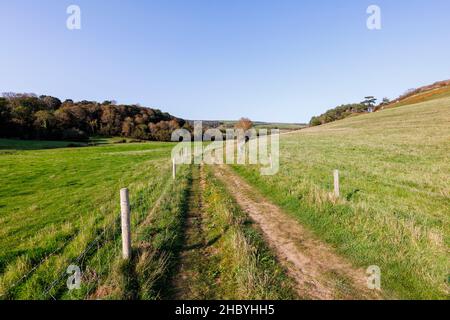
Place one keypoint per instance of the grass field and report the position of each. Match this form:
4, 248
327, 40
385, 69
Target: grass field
9, 146
269, 125
395, 186
59, 205
56, 203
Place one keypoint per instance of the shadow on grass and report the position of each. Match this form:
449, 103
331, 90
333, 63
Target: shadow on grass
202, 245
167, 292
11, 145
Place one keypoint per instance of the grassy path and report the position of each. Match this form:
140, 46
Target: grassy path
223, 256
318, 272
191, 282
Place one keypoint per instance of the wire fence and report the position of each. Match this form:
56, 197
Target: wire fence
141, 206
80, 258
40, 263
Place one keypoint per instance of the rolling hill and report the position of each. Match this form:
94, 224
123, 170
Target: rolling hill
395, 204
60, 206
437, 90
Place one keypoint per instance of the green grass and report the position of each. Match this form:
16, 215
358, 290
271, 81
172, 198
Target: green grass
60, 206
395, 204
9, 146
158, 238
98, 141
55, 203
239, 264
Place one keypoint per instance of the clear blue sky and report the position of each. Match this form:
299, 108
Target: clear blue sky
268, 60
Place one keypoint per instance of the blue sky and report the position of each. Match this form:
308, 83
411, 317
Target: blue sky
268, 60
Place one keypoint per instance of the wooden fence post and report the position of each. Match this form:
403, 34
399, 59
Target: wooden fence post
174, 169
125, 218
336, 184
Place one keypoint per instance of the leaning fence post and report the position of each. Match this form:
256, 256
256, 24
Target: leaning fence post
174, 169
125, 218
336, 184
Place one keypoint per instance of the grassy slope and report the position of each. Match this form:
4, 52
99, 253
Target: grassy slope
395, 204
438, 93
58, 201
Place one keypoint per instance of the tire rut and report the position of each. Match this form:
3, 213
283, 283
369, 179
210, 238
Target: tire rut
189, 282
319, 273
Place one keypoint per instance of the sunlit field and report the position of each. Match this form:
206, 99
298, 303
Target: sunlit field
394, 209
61, 206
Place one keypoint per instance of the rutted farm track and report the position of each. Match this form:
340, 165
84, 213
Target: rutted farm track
207, 235
318, 273
224, 217
190, 280
223, 257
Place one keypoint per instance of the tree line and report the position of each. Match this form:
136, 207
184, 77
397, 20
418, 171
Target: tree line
28, 116
346, 110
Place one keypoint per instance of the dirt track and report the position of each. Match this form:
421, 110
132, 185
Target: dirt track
318, 271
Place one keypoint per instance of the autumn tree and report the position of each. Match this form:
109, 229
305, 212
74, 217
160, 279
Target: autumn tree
52, 103
244, 124
127, 127
63, 118
31, 117
44, 121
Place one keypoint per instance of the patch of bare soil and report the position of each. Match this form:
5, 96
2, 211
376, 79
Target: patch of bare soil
318, 271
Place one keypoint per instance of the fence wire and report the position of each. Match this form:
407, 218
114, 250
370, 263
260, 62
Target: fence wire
80, 257
139, 202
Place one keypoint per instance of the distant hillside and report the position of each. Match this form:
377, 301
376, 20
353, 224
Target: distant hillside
436, 90
228, 124
269, 125
395, 192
